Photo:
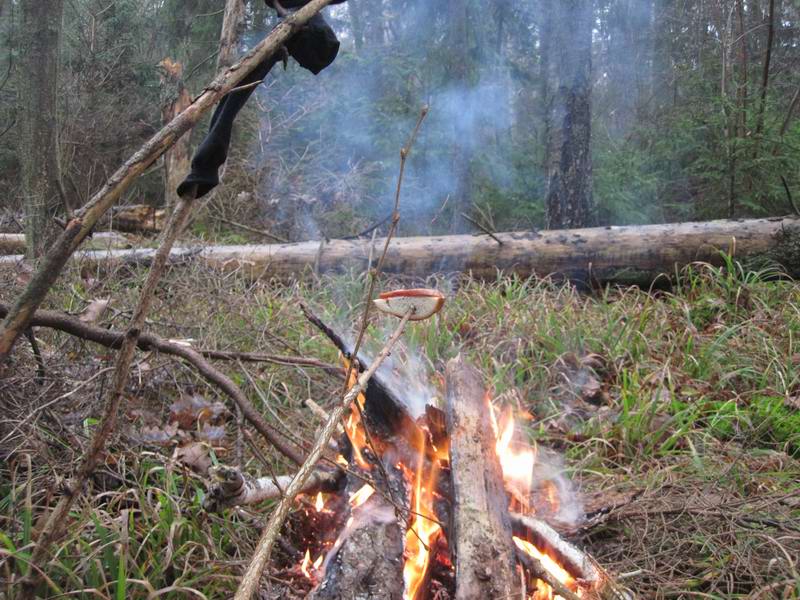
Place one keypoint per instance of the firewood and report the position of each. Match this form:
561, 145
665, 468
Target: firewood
234, 488
481, 534
139, 218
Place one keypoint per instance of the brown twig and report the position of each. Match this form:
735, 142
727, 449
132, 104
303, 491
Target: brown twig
56, 522
18, 319
41, 371
149, 342
369, 229
277, 238
482, 228
789, 196
404, 152
263, 550
277, 359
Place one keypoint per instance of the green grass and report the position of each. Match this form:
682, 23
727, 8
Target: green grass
687, 398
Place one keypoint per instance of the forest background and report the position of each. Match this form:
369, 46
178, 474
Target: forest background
691, 110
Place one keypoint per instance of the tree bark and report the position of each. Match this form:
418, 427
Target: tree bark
178, 158
569, 200
38, 109
481, 533
458, 38
231, 31
762, 104
633, 255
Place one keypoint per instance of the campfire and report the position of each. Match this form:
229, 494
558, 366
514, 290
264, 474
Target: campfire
433, 502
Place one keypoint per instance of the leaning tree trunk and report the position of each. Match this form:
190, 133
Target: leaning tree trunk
38, 107
177, 158
569, 198
637, 255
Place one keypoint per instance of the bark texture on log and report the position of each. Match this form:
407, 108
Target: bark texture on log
14, 243
141, 218
481, 533
622, 255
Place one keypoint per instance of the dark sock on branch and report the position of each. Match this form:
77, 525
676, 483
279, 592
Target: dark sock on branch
314, 47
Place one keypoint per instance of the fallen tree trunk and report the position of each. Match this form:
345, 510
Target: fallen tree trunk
481, 534
625, 255
14, 243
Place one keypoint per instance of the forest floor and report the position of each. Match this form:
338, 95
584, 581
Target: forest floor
678, 416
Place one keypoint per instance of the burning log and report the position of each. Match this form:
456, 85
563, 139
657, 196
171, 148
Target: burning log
384, 406
234, 488
481, 534
620, 255
366, 561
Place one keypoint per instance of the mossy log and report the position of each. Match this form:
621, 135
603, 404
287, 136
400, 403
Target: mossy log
625, 255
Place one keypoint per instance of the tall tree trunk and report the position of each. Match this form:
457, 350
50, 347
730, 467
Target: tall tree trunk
462, 150
765, 77
356, 12
232, 24
178, 158
41, 183
569, 200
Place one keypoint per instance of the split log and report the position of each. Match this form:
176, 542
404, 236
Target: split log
234, 488
140, 218
12, 243
481, 533
628, 255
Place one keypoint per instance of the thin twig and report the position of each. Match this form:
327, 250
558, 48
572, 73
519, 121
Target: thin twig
263, 550
149, 342
368, 230
482, 228
789, 196
56, 522
41, 371
268, 234
404, 152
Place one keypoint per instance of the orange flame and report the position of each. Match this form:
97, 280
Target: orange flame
353, 426
307, 565
517, 464
423, 529
544, 591
361, 496
319, 504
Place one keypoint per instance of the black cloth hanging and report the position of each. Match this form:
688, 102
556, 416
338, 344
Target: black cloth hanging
314, 47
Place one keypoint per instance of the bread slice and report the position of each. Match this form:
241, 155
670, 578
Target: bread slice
423, 302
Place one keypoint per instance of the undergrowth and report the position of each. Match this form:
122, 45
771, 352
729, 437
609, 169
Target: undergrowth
678, 414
